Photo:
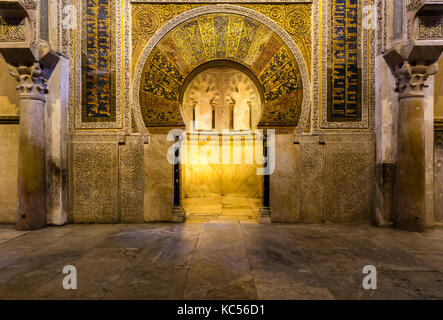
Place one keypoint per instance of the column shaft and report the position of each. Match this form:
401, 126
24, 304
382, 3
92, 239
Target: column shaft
410, 190
31, 200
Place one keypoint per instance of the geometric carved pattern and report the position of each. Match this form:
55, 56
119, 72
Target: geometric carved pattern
12, 29
430, 27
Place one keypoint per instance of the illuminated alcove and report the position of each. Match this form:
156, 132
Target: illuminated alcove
221, 107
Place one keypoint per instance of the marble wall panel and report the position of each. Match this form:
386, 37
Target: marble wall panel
438, 91
429, 152
8, 92
285, 181
8, 172
158, 196
56, 144
236, 176
202, 180
8, 145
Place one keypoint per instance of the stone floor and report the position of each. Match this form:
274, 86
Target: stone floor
221, 208
220, 261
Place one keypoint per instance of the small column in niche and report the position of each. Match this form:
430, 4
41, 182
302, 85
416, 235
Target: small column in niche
242, 94
204, 98
221, 98
213, 116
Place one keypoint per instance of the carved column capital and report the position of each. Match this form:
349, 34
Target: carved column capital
412, 79
31, 81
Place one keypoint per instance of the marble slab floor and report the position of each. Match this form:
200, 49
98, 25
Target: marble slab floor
220, 261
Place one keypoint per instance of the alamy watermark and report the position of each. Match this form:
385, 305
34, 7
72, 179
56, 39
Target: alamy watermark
229, 147
370, 281
70, 281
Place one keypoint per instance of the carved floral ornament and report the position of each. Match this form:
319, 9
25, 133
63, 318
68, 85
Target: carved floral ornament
412, 79
31, 82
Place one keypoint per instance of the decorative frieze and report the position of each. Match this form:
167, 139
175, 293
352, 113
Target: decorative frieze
12, 29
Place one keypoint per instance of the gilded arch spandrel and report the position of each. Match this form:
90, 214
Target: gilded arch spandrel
293, 17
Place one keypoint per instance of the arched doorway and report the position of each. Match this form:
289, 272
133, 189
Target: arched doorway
213, 34
221, 107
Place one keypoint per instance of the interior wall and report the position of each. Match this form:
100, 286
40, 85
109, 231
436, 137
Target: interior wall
337, 178
438, 144
438, 91
429, 150
158, 191
285, 181
56, 144
206, 173
438, 181
106, 182
8, 146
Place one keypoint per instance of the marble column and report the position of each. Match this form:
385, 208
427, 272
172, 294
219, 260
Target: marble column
31, 198
410, 180
178, 212
265, 208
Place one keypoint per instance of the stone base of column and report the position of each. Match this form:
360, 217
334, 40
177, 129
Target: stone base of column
264, 215
178, 214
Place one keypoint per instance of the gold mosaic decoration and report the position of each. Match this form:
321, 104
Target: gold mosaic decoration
295, 18
227, 37
148, 18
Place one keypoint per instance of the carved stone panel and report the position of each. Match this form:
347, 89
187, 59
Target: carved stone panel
312, 187
349, 180
131, 180
94, 181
